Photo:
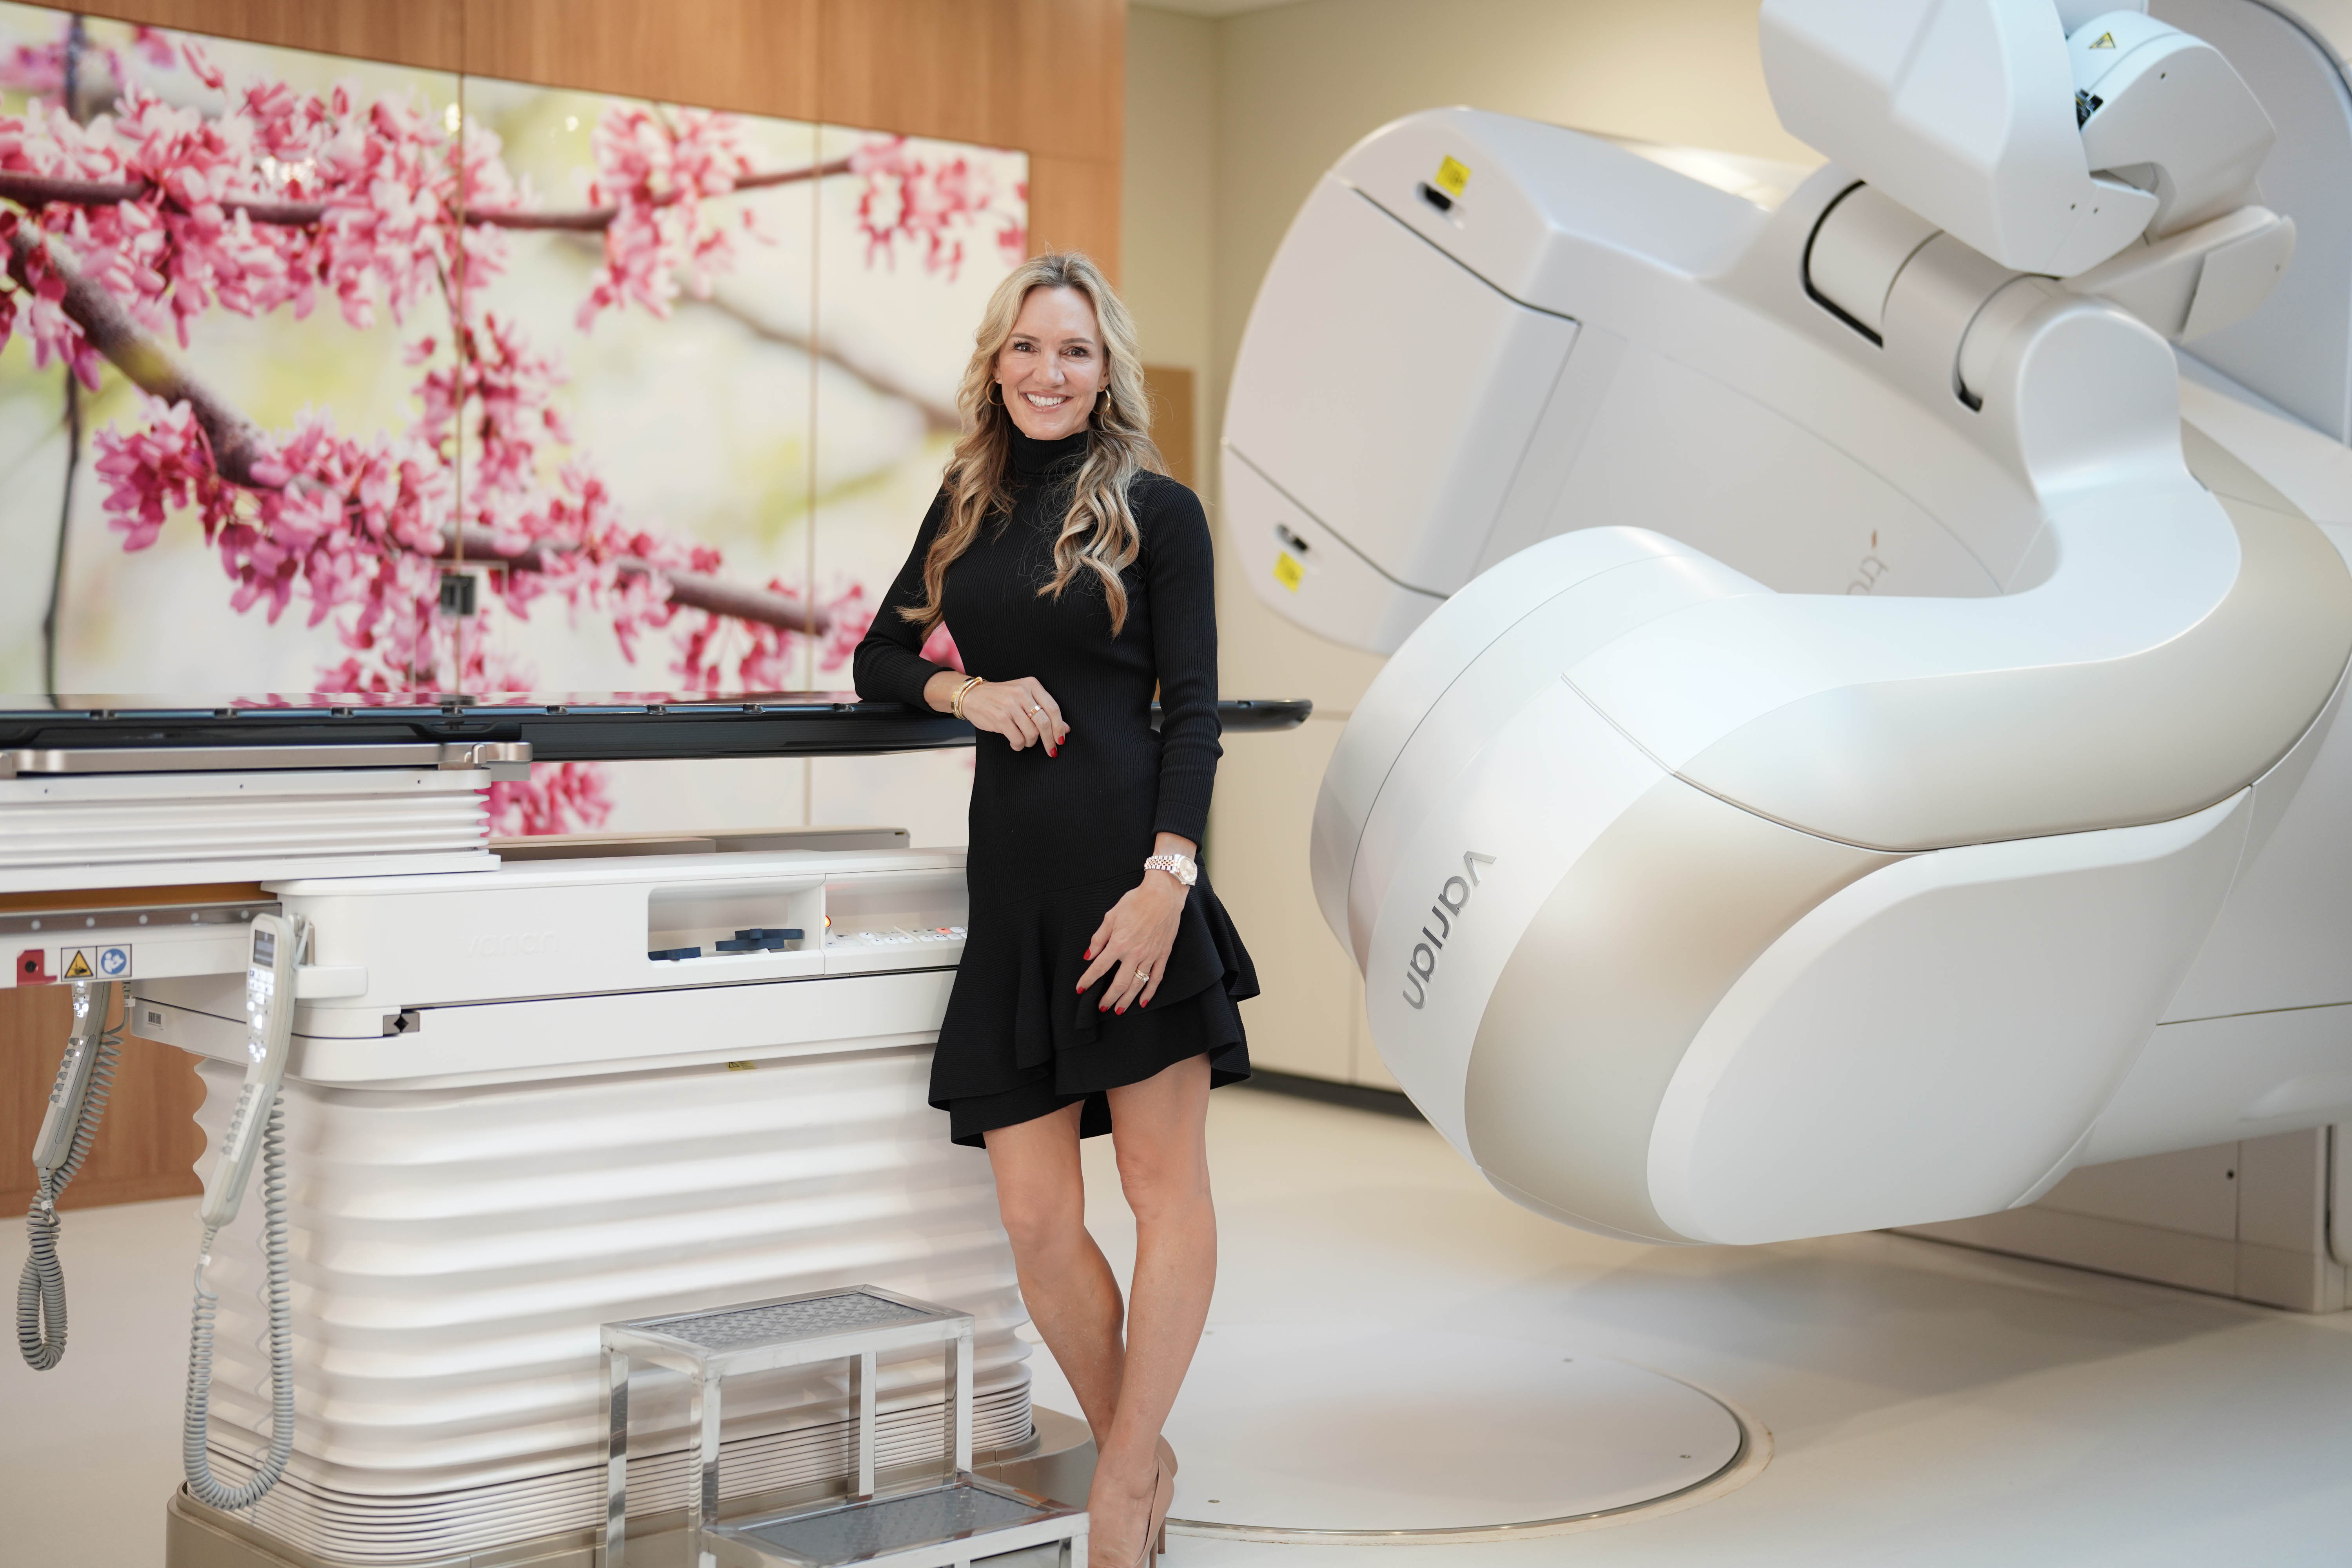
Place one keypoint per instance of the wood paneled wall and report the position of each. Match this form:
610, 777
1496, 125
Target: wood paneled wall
148, 1145
1174, 402
1047, 77
428, 33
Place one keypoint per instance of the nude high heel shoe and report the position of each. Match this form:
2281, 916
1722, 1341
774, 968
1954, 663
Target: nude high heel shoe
1167, 1478
1154, 1540
1155, 1528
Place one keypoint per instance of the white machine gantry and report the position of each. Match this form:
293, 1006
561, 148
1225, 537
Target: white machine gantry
1853, 681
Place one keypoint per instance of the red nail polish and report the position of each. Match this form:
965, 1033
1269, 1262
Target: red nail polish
1122, 1012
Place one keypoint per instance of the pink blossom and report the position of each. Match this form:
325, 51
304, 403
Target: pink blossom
562, 798
656, 168
200, 65
36, 294
847, 617
351, 528
166, 465
355, 529
154, 45
938, 647
932, 203
37, 70
381, 175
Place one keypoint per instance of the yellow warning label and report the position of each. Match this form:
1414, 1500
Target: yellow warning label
79, 968
1452, 177
2104, 42
1288, 571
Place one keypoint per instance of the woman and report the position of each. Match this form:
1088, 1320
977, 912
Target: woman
1099, 977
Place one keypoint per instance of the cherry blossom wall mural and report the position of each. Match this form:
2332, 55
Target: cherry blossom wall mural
300, 355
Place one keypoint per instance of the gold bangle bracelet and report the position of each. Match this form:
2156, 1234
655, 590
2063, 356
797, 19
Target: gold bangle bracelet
956, 707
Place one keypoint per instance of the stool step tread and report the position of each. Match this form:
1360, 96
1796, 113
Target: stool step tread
855, 1531
741, 1328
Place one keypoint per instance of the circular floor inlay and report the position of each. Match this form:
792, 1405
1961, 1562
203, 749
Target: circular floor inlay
1293, 1430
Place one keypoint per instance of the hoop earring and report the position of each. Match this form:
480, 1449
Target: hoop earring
992, 399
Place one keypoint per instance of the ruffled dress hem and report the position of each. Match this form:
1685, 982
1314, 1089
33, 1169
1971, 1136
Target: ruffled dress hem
1019, 1041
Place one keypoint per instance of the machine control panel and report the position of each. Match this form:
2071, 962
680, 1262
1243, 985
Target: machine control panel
897, 936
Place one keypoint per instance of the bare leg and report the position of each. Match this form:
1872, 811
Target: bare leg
1160, 1129
1066, 1282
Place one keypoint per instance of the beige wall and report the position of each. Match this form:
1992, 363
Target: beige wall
1230, 122
1171, 142
1298, 85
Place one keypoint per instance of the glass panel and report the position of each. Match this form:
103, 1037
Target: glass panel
259, 233
906, 258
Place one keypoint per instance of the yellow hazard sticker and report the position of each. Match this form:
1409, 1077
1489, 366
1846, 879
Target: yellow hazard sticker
1288, 571
96, 962
2106, 41
1452, 177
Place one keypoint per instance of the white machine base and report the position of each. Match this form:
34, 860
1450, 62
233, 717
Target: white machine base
1057, 1461
1307, 1434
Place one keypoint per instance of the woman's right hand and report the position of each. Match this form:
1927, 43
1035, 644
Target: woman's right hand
1021, 710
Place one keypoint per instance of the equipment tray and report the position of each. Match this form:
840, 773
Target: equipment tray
940, 1527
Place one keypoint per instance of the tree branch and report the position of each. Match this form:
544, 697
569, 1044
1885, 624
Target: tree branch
937, 416
109, 327
594, 218
42, 190
691, 589
237, 442
39, 190
76, 40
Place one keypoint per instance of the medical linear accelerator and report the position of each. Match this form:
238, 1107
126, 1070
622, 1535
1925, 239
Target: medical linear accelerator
517, 1095
1859, 743
1861, 737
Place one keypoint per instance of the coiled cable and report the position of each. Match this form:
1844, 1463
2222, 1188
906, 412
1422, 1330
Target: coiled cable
195, 1457
41, 1288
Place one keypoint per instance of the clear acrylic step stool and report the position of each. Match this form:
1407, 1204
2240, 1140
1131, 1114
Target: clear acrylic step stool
939, 1526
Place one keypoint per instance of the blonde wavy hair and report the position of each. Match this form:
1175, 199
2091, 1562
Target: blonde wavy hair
1098, 534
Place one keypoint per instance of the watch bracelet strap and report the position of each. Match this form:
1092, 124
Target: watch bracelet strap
1175, 866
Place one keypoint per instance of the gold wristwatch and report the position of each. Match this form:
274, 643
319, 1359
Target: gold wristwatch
1180, 867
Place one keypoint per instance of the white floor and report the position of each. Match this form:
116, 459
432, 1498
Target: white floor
1928, 1405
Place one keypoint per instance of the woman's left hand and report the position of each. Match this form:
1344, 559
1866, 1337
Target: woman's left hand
1135, 939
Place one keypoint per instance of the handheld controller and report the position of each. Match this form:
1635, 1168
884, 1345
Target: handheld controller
68, 1127
55, 1144
255, 1131
278, 944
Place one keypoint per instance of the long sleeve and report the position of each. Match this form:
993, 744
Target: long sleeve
1181, 577
889, 665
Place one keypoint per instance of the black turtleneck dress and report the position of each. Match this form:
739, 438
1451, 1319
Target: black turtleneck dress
1056, 841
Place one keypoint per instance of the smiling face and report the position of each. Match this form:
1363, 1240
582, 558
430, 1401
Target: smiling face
1053, 367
